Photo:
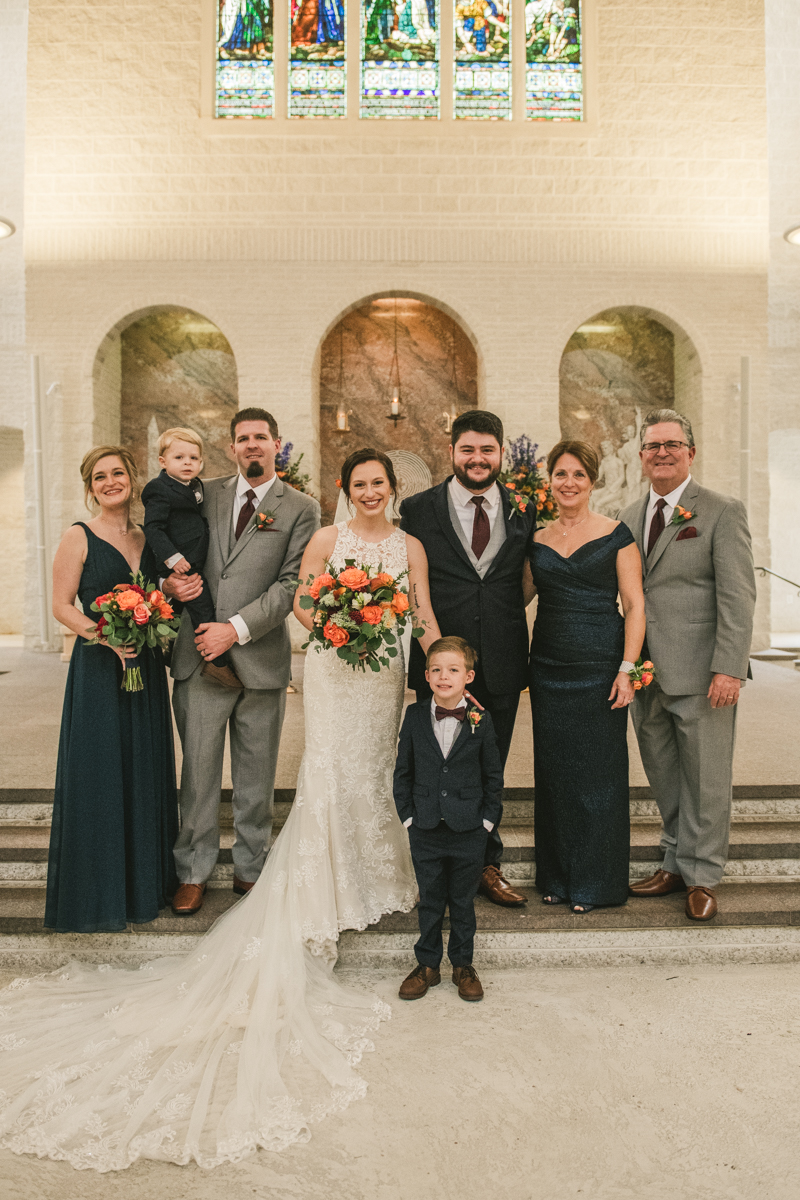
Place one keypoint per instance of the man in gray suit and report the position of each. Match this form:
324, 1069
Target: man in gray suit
259, 528
699, 592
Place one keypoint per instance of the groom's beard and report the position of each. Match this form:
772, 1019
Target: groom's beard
471, 484
255, 468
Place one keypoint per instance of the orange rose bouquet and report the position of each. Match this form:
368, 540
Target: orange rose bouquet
134, 614
359, 612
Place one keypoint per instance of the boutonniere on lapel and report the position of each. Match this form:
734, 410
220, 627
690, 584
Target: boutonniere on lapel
475, 712
264, 520
680, 518
519, 503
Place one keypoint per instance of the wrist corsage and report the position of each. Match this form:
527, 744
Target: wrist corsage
641, 674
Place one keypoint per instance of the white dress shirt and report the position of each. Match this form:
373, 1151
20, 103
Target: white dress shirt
671, 499
446, 732
242, 486
462, 502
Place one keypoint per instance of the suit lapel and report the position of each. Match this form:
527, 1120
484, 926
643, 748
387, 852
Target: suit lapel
442, 510
270, 503
511, 521
671, 531
460, 740
221, 519
637, 528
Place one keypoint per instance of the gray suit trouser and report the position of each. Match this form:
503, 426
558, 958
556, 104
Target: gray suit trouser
202, 711
687, 752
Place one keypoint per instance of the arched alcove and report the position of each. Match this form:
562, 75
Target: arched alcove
617, 365
165, 366
438, 366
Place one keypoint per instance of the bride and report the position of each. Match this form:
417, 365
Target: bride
249, 1039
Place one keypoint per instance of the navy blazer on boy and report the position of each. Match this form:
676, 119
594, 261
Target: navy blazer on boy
465, 789
173, 520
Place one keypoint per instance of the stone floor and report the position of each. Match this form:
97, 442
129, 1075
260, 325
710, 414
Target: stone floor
32, 689
650, 1083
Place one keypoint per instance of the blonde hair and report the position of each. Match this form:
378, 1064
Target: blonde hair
179, 434
452, 645
92, 458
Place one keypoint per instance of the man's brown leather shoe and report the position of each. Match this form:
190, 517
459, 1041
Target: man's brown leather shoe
415, 985
660, 884
497, 889
224, 675
701, 904
469, 986
188, 899
242, 886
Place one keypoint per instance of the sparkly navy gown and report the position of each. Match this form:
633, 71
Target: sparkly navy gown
580, 751
115, 813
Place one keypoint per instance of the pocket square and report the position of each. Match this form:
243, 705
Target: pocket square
688, 531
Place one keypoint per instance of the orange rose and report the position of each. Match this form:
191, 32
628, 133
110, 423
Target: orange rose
353, 578
512, 487
382, 580
647, 678
637, 685
128, 600
335, 634
156, 597
104, 599
165, 610
647, 666
141, 614
324, 580
372, 613
399, 602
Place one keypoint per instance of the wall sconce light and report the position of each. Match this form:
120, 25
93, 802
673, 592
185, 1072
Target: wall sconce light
449, 417
342, 412
6, 227
394, 413
342, 422
452, 412
793, 236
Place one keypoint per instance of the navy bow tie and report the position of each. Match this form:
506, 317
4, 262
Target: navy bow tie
458, 713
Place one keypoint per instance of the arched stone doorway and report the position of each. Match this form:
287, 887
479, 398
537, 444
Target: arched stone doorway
160, 367
438, 374
616, 366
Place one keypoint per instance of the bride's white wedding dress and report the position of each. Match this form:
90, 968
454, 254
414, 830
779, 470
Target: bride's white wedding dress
249, 1039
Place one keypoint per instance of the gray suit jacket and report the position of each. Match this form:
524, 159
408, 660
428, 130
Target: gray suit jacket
699, 592
249, 577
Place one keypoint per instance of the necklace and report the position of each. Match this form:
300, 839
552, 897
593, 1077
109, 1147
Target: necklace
121, 532
577, 523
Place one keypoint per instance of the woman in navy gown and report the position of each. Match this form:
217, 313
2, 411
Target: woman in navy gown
581, 651
115, 814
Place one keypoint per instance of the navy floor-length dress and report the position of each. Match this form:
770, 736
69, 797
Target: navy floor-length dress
580, 750
115, 814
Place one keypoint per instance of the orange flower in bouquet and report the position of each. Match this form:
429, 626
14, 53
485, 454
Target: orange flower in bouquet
642, 675
134, 615
355, 611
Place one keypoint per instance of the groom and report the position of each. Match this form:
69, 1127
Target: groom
699, 594
259, 528
476, 545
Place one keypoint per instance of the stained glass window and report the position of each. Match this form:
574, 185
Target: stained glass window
317, 70
553, 68
245, 77
483, 60
400, 59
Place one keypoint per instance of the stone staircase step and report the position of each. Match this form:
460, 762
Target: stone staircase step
756, 924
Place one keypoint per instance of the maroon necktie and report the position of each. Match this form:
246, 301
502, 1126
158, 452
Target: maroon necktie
443, 713
249, 507
480, 527
656, 525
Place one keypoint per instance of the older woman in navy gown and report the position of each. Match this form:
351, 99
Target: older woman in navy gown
581, 651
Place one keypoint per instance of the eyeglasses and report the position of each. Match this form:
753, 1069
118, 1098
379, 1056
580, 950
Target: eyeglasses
654, 447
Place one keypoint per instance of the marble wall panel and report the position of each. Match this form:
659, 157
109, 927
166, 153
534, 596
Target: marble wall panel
615, 367
177, 369
429, 343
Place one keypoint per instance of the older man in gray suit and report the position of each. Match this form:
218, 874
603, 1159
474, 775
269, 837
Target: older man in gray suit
259, 528
699, 592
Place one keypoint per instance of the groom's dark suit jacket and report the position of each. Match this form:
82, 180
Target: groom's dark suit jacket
488, 613
463, 789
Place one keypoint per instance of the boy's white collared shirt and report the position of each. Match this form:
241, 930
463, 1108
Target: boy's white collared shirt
445, 732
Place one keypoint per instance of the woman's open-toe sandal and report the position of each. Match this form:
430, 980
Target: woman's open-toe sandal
580, 910
551, 898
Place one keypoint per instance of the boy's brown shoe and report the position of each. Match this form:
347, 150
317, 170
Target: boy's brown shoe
469, 986
415, 985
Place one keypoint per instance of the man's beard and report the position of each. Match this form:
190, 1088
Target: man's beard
470, 484
255, 468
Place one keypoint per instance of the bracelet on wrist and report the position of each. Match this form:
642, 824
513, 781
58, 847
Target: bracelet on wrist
626, 667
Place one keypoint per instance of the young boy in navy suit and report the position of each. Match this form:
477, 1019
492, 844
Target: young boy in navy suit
177, 531
448, 787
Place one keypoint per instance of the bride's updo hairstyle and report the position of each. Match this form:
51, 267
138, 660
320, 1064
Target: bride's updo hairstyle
584, 453
357, 458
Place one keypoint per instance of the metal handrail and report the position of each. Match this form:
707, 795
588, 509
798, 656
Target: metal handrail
766, 571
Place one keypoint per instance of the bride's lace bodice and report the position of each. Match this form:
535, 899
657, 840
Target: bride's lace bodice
249, 1038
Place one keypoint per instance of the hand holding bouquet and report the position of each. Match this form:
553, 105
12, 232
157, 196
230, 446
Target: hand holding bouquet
358, 613
134, 615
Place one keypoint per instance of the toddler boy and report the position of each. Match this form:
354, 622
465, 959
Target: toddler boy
177, 531
448, 786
